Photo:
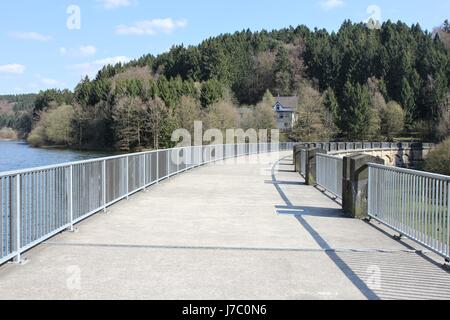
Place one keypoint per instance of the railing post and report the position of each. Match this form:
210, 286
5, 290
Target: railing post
178, 160
17, 258
157, 167
127, 182
168, 163
355, 183
145, 171
104, 184
71, 198
448, 219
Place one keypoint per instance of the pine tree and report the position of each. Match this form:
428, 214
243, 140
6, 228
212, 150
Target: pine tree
282, 73
211, 93
356, 121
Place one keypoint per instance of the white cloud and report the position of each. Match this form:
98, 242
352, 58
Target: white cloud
91, 68
12, 68
87, 51
113, 4
82, 51
46, 82
112, 60
331, 4
151, 27
31, 36
49, 82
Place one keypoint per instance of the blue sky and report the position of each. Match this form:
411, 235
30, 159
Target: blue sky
45, 45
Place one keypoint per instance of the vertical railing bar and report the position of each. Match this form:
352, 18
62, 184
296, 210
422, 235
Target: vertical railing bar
416, 191
444, 216
144, 171
433, 213
71, 197
402, 186
370, 192
389, 178
422, 213
104, 184
440, 227
438, 213
2, 234
17, 258
178, 160
393, 199
427, 206
409, 211
387, 206
448, 219
168, 164
157, 167
398, 200
127, 182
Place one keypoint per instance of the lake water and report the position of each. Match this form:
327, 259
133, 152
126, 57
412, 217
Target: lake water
15, 155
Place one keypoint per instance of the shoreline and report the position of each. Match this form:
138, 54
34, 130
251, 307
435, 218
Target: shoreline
10, 140
62, 148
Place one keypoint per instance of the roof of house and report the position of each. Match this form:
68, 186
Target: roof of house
286, 104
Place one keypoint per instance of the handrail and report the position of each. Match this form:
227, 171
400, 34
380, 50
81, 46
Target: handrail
37, 203
339, 152
411, 171
65, 164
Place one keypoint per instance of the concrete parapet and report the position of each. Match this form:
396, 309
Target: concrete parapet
355, 184
310, 174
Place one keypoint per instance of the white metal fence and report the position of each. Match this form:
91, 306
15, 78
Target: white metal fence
329, 173
414, 203
36, 204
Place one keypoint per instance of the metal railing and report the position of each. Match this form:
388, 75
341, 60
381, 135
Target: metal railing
36, 204
350, 146
413, 203
329, 173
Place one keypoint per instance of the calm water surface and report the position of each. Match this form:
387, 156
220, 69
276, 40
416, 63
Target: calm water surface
15, 155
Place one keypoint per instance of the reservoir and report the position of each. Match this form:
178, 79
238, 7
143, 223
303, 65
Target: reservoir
16, 155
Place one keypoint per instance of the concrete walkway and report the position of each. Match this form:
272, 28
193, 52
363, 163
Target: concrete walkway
247, 230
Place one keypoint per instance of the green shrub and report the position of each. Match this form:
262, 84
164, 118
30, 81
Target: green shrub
438, 161
37, 137
54, 127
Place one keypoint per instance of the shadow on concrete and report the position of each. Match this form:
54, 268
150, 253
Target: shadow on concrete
352, 276
286, 171
292, 183
409, 247
402, 274
330, 195
309, 211
285, 164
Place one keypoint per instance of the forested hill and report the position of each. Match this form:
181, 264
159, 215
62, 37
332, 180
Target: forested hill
355, 72
15, 110
250, 63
